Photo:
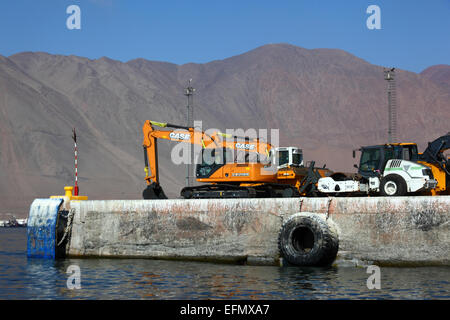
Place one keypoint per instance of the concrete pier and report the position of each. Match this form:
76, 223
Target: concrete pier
386, 231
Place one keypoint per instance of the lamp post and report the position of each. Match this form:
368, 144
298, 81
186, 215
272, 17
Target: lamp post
189, 92
389, 76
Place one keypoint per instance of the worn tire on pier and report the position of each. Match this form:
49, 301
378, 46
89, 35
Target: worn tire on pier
306, 239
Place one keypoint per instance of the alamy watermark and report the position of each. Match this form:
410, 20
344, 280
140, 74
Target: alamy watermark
374, 20
74, 20
374, 280
233, 145
74, 280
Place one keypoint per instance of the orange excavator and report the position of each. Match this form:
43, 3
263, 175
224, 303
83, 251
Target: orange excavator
261, 171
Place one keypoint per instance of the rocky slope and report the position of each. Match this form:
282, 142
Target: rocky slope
325, 101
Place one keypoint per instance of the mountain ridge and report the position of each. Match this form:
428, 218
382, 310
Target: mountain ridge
326, 101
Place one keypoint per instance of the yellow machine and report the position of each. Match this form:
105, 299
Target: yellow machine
273, 172
434, 157
395, 169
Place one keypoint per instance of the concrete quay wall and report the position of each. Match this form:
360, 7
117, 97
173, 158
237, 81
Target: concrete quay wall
383, 230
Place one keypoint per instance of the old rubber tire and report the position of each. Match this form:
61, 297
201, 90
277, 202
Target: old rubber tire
306, 239
393, 186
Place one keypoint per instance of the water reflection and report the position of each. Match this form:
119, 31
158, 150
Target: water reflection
22, 278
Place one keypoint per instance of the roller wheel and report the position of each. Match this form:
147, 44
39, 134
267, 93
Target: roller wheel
393, 185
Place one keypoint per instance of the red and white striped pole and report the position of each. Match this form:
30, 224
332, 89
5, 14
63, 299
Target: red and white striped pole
74, 137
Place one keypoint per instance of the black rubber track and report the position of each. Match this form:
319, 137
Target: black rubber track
268, 190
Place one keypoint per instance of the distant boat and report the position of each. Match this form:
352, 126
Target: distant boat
22, 222
14, 223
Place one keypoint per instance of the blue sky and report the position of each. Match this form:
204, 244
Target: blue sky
414, 34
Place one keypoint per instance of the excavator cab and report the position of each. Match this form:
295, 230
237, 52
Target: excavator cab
210, 160
284, 157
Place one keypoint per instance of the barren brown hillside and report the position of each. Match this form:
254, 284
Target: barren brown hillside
325, 101
439, 74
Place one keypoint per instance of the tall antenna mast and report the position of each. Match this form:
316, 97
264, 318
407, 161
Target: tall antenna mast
189, 92
389, 76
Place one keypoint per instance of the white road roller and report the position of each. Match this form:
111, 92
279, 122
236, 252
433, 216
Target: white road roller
388, 170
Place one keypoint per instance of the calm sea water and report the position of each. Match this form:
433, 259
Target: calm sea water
22, 278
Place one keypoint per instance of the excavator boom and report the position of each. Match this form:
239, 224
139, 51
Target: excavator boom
434, 157
216, 140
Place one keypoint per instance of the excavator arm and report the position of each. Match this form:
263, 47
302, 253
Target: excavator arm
178, 134
434, 153
434, 157
186, 135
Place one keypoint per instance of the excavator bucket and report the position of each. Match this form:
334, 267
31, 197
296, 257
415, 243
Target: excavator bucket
154, 191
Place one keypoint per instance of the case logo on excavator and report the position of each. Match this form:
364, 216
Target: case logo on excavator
245, 146
180, 136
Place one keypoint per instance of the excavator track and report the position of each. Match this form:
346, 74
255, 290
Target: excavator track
214, 191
